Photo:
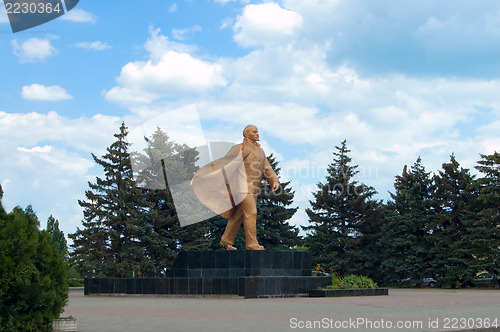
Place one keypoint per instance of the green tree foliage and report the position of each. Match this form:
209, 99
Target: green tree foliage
163, 236
2, 211
342, 209
114, 216
487, 236
129, 231
454, 226
33, 288
405, 234
370, 250
58, 239
273, 213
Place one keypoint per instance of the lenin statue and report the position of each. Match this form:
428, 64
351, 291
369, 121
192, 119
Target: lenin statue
230, 186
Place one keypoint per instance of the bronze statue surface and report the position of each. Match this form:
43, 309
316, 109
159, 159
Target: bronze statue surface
230, 186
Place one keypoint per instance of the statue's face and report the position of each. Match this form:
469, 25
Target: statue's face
253, 134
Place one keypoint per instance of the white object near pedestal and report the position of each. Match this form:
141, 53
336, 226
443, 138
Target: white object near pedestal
64, 324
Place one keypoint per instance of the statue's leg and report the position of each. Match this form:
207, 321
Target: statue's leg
232, 227
249, 207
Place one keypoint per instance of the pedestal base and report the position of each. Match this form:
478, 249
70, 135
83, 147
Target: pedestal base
248, 287
241, 263
246, 273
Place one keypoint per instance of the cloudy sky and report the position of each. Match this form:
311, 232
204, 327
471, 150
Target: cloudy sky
396, 79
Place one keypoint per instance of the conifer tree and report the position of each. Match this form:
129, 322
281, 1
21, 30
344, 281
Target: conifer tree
487, 235
405, 234
273, 213
164, 237
2, 211
370, 250
342, 207
58, 239
114, 215
454, 224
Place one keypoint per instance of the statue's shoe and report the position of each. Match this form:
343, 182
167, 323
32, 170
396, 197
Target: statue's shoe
227, 245
256, 247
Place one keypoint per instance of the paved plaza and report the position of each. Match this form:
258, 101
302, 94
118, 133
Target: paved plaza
402, 310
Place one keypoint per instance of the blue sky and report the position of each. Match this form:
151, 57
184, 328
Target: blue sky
397, 79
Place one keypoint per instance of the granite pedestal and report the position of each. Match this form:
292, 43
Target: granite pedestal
247, 273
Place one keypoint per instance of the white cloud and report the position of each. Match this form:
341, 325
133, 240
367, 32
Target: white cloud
173, 8
297, 73
305, 104
227, 23
157, 45
80, 16
129, 96
292, 93
387, 122
45, 93
96, 45
180, 34
33, 49
422, 37
50, 159
167, 73
265, 23
176, 72
82, 134
39, 149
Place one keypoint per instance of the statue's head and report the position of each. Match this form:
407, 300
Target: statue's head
251, 133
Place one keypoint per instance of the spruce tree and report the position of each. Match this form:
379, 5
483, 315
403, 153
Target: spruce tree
164, 237
405, 233
370, 250
2, 211
114, 216
455, 224
273, 213
342, 207
487, 236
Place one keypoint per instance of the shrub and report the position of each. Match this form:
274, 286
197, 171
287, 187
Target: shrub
75, 282
74, 278
33, 289
351, 282
336, 282
354, 281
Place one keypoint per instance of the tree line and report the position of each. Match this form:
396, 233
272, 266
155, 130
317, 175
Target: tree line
445, 223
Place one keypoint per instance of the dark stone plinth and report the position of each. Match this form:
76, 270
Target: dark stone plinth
248, 287
254, 287
162, 286
248, 273
348, 292
241, 263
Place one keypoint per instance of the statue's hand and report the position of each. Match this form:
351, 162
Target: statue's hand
276, 185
